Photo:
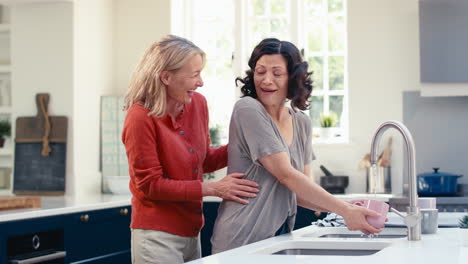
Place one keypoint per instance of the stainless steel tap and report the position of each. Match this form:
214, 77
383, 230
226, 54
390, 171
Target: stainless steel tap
413, 216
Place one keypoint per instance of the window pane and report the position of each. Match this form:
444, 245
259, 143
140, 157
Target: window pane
315, 110
258, 7
335, 6
259, 31
279, 28
316, 65
279, 7
313, 8
336, 33
336, 106
213, 32
336, 72
199, 8
314, 36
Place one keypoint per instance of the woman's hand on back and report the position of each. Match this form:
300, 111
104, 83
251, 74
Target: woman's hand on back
232, 187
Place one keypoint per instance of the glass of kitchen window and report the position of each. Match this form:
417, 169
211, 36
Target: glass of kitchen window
316, 107
336, 106
314, 36
313, 8
336, 72
336, 33
279, 28
258, 31
335, 6
258, 7
316, 65
279, 7
213, 32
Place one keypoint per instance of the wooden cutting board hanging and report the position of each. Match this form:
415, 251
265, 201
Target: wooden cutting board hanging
40, 152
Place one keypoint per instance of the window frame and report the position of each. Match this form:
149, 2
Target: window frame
182, 21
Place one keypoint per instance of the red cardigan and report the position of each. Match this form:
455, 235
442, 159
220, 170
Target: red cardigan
167, 160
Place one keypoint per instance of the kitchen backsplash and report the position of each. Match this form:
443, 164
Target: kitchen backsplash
113, 156
439, 126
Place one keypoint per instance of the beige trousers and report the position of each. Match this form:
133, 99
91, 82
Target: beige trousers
154, 247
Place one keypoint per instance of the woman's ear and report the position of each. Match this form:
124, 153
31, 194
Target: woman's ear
165, 77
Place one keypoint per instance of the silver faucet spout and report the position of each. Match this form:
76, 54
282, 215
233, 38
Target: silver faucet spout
413, 212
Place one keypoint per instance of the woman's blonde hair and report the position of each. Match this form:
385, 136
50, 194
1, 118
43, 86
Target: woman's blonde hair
146, 87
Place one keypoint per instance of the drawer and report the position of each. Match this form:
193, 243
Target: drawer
96, 233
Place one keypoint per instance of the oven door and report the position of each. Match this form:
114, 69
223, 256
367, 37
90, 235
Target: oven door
34, 248
48, 257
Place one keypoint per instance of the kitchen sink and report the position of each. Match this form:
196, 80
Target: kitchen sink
343, 232
362, 236
325, 248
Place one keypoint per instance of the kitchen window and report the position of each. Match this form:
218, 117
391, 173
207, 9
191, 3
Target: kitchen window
228, 30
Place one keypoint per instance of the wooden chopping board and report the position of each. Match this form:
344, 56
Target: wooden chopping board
40, 152
19, 202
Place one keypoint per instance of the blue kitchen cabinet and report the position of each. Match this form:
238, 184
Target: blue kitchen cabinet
304, 218
100, 236
12, 229
210, 212
92, 237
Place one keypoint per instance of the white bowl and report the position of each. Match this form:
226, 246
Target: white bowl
117, 184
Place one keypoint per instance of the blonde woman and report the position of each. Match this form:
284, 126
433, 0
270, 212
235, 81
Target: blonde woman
166, 137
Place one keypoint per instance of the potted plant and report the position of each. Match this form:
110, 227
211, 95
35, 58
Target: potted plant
5, 131
327, 122
463, 224
215, 137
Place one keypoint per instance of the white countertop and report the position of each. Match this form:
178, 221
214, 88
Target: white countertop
443, 247
350, 196
353, 196
56, 205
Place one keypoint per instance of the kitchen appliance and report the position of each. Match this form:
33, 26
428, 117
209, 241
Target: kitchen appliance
37, 248
40, 152
437, 183
333, 184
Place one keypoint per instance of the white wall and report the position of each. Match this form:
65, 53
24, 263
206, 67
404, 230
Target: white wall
93, 77
109, 38
78, 51
137, 25
42, 61
383, 54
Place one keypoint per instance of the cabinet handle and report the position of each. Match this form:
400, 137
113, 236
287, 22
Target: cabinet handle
124, 211
84, 218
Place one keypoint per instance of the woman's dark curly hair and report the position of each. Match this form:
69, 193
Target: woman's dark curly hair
299, 83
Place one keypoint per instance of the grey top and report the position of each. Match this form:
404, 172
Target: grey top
252, 135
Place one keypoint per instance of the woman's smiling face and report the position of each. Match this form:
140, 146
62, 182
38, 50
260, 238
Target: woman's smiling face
271, 80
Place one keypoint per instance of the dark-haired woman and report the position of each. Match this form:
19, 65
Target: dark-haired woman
271, 144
